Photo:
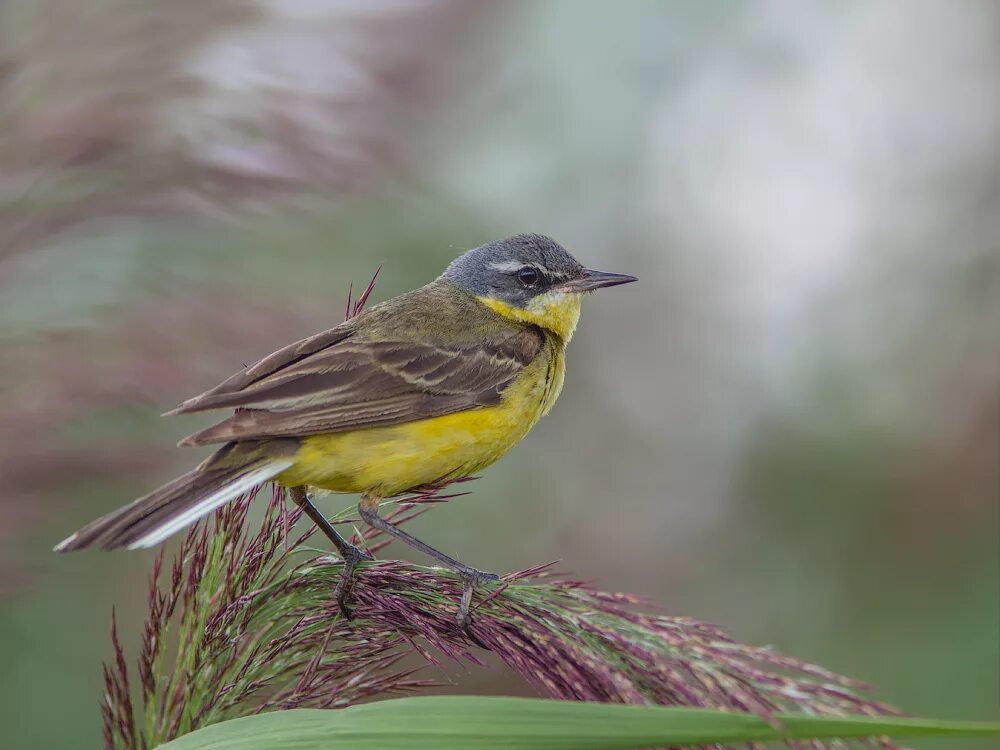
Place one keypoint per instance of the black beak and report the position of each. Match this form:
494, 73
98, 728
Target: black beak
591, 280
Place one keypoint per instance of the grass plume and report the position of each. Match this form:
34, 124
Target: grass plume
243, 621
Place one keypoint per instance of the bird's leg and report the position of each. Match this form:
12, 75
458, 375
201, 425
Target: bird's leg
352, 555
368, 508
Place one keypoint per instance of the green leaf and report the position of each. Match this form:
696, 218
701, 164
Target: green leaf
477, 723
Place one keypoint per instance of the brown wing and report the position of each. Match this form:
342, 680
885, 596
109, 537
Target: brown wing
270, 364
350, 384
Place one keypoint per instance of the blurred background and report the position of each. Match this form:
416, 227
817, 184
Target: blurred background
789, 427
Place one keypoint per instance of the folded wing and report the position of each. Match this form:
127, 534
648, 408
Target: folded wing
332, 383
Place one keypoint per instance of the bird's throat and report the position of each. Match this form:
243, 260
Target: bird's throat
556, 311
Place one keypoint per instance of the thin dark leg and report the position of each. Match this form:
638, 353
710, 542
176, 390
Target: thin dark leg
368, 508
352, 555
301, 499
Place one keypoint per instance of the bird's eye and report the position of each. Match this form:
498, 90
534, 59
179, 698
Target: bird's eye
528, 276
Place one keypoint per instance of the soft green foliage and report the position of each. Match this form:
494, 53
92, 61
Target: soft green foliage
467, 723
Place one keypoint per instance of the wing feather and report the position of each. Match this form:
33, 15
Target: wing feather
270, 364
344, 384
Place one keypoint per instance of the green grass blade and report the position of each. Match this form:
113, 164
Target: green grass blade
477, 723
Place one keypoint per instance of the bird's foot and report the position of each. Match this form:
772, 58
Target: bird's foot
352, 556
471, 578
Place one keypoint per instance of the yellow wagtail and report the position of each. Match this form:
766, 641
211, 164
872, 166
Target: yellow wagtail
432, 385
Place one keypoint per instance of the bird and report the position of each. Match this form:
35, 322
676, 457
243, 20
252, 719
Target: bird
427, 387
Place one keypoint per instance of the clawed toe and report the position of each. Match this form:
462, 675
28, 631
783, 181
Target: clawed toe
476, 577
471, 579
342, 592
352, 556
484, 577
355, 555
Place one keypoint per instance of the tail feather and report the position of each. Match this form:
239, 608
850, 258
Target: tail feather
151, 519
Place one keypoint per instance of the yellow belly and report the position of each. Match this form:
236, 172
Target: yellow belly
389, 460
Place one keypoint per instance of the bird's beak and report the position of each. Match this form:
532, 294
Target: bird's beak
591, 280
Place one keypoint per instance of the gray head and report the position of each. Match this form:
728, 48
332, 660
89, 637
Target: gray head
522, 267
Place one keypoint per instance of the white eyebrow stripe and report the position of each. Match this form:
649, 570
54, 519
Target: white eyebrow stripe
514, 265
509, 266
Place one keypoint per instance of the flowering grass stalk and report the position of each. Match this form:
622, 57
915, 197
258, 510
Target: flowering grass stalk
244, 621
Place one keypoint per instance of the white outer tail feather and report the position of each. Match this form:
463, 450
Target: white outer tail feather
217, 499
65, 543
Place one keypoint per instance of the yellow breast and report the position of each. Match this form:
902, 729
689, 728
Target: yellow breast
390, 460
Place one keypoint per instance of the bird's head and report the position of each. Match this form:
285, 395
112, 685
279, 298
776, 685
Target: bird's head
530, 278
